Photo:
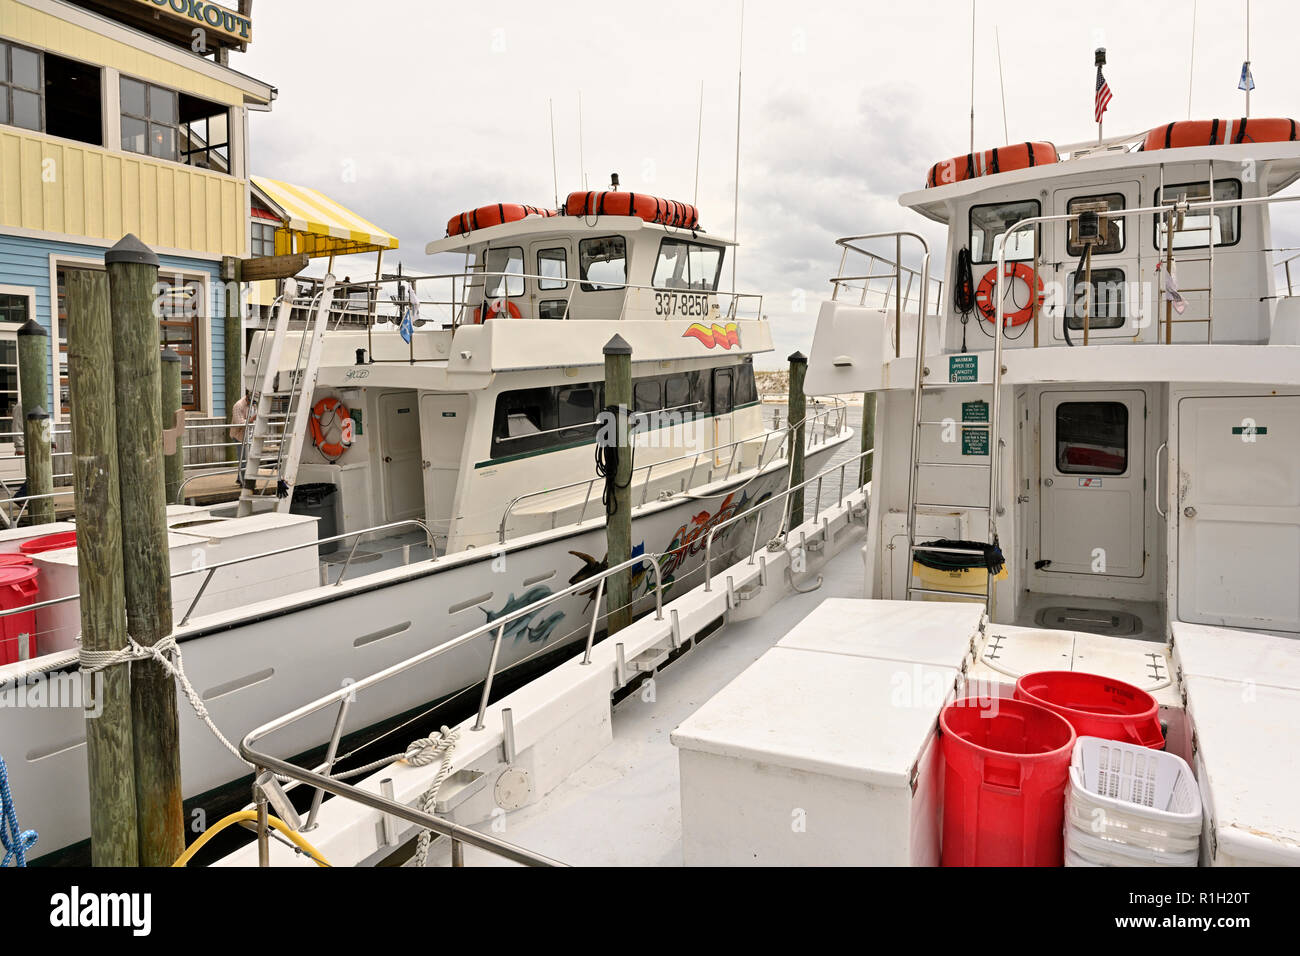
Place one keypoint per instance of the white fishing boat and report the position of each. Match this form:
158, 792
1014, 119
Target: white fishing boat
448, 423
1087, 459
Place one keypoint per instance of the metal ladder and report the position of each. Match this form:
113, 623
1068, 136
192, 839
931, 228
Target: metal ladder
1169, 259
281, 401
992, 467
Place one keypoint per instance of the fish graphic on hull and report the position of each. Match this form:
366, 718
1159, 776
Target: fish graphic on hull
536, 627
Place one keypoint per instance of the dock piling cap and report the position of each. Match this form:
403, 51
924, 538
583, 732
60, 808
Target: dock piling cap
131, 249
168, 355
798, 357
617, 346
32, 327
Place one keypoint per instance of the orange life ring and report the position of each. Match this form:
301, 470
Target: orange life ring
495, 310
984, 295
333, 450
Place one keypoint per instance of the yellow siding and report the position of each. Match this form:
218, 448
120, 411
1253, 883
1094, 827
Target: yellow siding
48, 32
103, 195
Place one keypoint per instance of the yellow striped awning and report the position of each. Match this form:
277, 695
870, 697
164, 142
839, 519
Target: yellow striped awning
319, 226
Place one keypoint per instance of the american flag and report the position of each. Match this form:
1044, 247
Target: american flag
1103, 96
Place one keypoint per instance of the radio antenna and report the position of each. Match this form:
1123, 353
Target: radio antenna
1191, 63
555, 169
972, 76
1006, 135
735, 213
699, 137
582, 166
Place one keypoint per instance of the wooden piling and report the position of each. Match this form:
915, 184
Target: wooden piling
132, 276
109, 749
795, 442
33, 384
618, 509
173, 464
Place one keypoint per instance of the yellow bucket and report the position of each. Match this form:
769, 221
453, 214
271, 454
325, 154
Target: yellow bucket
972, 581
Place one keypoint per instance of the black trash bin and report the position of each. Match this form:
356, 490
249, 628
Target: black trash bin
318, 499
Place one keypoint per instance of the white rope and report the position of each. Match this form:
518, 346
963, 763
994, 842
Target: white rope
421, 753
95, 661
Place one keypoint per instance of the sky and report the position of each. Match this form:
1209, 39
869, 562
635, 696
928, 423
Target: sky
411, 111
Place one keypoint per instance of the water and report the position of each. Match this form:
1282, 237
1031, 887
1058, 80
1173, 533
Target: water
776, 414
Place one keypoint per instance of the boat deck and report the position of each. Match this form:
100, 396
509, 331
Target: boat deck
623, 808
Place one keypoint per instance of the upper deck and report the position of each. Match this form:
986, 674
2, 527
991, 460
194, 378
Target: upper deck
1200, 214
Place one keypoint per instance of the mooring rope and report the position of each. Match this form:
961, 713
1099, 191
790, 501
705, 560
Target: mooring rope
16, 842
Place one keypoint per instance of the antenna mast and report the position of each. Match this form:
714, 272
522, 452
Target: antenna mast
972, 76
699, 137
555, 169
582, 166
1001, 83
1191, 63
1250, 77
735, 213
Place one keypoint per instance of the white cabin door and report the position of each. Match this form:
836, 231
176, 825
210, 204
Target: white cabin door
1116, 265
551, 260
1238, 512
444, 418
1092, 471
399, 448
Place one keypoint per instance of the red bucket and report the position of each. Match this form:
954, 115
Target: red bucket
49, 542
18, 588
1006, 767
1096, 706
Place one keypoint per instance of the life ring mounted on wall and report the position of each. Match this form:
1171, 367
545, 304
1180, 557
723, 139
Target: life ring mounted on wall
986, 301
495, 309
333, 450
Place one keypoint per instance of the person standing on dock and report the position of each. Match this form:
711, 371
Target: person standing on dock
239, 416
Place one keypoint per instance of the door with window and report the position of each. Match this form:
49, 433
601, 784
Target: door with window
551, 260
1105, 295
724, 388
503, 284
1092, 483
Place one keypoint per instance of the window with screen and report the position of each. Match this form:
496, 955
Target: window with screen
988, 225
1103, 301
1113, 238
1092, 438
1200, 228
602, 263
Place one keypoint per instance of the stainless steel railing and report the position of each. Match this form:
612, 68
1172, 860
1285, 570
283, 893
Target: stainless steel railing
822, 417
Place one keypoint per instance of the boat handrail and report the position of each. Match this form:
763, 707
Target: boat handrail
346, 695
783, 496
211, 569
837, 408
367, 306
894, 272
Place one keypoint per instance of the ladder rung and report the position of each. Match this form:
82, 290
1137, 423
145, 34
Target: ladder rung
959, 594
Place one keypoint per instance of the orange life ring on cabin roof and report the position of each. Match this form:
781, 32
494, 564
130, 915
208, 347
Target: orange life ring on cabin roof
987, 304
331, 450
1220, 132
496, 310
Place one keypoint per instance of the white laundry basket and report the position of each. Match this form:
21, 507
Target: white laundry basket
1131, 806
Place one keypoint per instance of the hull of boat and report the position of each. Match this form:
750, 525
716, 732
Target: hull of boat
257, 663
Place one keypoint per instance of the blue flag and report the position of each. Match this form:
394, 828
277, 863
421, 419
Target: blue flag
408, 327
1247, 81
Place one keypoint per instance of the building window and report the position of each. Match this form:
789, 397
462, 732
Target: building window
149, 119
602, 263
1220, 226
1105, 305
1092, 438
8, 386
687, 265
21, 86
262, 240
204, 134
13, 308
180, 307
1114, 239
988, 224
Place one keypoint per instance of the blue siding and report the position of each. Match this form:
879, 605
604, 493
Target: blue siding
26, 262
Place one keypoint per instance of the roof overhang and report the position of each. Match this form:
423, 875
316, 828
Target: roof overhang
314, 224
541, 227
1276, 166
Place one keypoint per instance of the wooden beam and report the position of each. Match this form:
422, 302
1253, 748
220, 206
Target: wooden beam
273, 267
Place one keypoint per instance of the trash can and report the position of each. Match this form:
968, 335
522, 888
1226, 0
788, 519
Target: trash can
319, 499
1096, 706
959, 573
18, 588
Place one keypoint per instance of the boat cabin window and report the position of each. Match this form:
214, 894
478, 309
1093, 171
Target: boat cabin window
1114, 227
552, 308
1220, 226
1106, 308
538, 419
505, 273
1092, 438
602, 263
687, 265
553, 268
989, 223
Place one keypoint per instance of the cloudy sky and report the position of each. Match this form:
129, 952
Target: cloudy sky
411, 111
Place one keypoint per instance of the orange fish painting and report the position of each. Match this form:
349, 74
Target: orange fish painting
715, 337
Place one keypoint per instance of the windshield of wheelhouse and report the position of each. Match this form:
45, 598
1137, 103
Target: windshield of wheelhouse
686, 265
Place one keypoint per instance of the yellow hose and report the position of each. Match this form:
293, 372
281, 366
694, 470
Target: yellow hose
240, 817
